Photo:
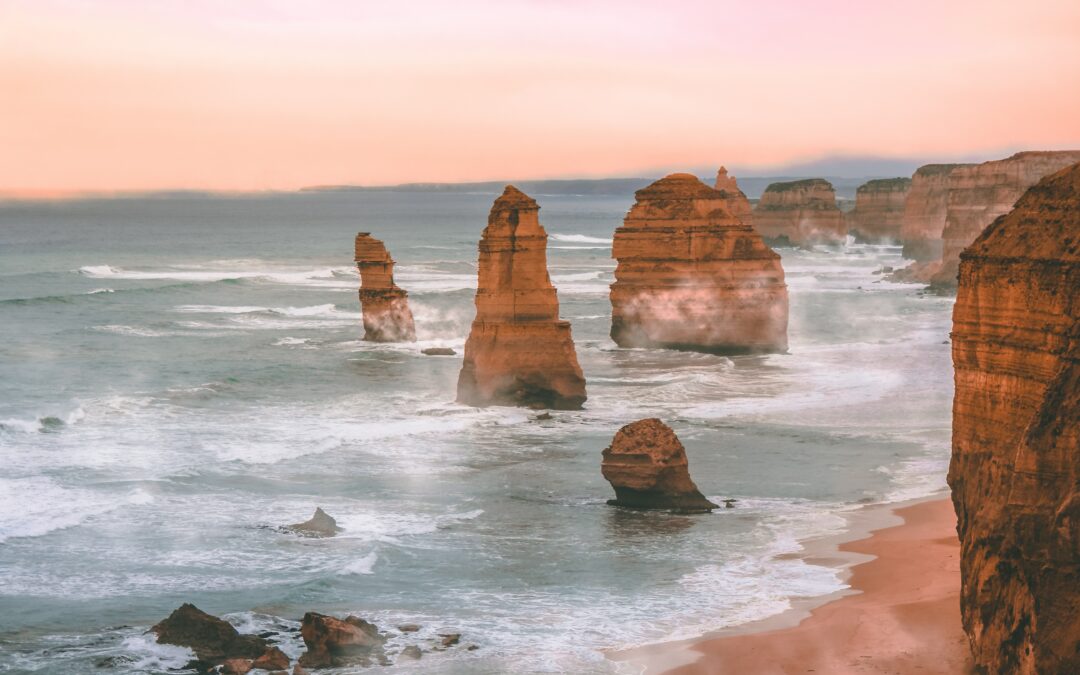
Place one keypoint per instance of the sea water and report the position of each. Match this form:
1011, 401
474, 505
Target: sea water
181, 375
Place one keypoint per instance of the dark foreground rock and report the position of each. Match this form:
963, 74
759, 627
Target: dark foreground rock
647, 466
213, 640
438, 351
320, 525
333, 642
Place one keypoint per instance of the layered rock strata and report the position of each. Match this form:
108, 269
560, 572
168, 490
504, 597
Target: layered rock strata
801, 213
980, 193
692, 275
647, 466
1015, 471
879, 210
518, 352
387, 317
925, 208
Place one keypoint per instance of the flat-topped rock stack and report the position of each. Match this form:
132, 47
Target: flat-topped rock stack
879, 210
691, 275
387, 317
925, 208
800, 213
518, 352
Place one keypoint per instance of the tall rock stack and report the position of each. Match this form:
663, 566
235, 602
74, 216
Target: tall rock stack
879, 210
801, 213
736, 202
978, 194
518, 352
925, 207
387, 317
693, 276
1015, 472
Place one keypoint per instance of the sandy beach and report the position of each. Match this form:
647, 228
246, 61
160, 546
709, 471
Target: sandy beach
902, 615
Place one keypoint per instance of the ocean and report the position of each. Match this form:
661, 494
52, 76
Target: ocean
182, 375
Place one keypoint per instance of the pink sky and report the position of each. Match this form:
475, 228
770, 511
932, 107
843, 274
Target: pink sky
276, 94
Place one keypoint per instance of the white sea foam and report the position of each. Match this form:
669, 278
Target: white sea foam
580, 239
364, 565
33, 506
153, 656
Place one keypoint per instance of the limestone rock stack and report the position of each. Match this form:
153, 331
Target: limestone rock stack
518, 352
691, 275
924, 211
1015, 471
647, 466
801, 212
387, 317
879, 210
978, 194
736, 202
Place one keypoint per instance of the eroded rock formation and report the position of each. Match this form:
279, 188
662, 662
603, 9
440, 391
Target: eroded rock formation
980, 193
322, 524
734, 199
925, 207
801, 213
387, 317
692, 275
647, 466
518, 351
879, 210
1015, 471
215, 641
333, 642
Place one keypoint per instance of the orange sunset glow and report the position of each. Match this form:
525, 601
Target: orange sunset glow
127, 95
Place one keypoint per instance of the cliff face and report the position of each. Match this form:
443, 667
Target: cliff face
518, 352
978, 194
387, 317
924, 211
691, 275
879, 210
802, 212
1015, 472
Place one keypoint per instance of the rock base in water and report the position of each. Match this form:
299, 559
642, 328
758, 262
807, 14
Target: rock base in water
320, 525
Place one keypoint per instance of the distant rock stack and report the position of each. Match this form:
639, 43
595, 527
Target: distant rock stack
879, 210
925, 208
647, 466
801, 213
387, 317
978, 194
691, 275
735, 199
519, 352
1015, 471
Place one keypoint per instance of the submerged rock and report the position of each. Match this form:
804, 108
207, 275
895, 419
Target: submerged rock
320, 525
647, 466
412, 652
1015, 470
387, 317
438, 351
333, 642
213, 640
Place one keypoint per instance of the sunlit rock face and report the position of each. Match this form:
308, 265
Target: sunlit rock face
802, 213
519, 352
980, 193
925, 208
879, 210
1015, 472
734, 199
691, 275
387, 317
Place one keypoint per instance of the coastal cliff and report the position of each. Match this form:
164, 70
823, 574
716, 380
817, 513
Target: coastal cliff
980, 193
925, 207
691, 275
879, 210
801, 213
1015, 467
387, 317
518, 351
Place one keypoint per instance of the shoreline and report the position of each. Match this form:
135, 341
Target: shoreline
901, 564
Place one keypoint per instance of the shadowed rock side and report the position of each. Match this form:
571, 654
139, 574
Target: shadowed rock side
1015, 471
518, 352
647, 466
693, 276
801, 213
879, 210
925, 207
215, 641
387, 317
980, 193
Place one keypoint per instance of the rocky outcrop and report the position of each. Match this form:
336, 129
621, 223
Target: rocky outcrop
800, 213
980, 193
1015, 471
518, 351
879, 210
213, 640
647, 466
387, 317
924, 212
735, 200
692, 275
321, 524
335, 642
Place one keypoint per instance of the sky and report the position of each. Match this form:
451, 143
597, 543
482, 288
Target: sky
275, 94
